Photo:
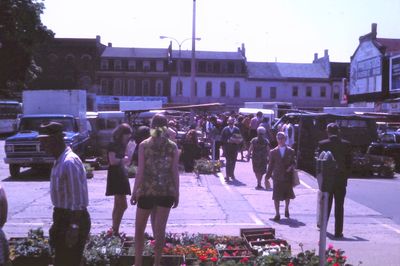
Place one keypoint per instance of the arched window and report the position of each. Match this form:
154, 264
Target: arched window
209, 89
70, 59
52, 58
236, 92
222, 89
85, 59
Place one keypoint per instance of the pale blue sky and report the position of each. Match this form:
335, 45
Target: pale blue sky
272, 30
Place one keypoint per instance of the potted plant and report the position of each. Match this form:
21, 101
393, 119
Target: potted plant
103, 249
89, 170
32, 250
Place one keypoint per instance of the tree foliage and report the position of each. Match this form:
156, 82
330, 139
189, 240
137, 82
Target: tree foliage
21, 32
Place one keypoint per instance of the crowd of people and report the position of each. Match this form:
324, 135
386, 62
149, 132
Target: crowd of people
157, 154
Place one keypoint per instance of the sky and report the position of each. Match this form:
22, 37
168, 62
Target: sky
271, 30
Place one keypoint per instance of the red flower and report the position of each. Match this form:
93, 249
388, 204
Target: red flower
336, 264
244, 260
214, 259
290, 264
203, 258
329, 259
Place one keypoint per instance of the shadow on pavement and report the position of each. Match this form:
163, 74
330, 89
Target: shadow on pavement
345, 238
290, 222
30, 175
236, 182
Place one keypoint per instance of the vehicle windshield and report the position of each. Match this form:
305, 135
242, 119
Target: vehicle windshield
10, 110
33, 123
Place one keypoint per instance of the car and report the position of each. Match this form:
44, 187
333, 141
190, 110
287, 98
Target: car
388, 145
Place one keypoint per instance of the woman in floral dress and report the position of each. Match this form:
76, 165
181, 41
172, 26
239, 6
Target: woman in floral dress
156, 188
258, 151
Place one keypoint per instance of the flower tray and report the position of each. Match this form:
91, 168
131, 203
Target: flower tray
234, 254
268, 244
257, 231
259, 237
37, 261
126, 260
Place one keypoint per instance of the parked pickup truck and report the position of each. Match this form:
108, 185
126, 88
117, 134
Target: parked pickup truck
67, 107
388, 145
23, 149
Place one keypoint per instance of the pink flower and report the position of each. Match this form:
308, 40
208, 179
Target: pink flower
330, 246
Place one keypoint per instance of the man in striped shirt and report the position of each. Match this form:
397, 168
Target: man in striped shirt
69, 195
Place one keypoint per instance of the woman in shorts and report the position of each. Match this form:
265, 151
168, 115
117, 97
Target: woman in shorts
156, 188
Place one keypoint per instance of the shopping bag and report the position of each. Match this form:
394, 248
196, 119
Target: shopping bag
295, 178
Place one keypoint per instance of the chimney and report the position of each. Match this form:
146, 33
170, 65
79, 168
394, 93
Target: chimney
98, 39
243, 50
315, 57
326, 53
109, 44
374, 27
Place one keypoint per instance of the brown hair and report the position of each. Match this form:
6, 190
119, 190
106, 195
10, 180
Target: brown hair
159, 120
121, 130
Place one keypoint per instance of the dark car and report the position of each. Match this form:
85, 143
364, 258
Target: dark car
388, 145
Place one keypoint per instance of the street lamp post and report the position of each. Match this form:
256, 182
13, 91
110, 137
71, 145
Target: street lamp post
179, 57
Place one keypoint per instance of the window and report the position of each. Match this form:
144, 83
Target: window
209, 89
86, 61
223, 89
117, 65
322, 92
132, 65
85, 82
231, 67
210, 67
159, 66
223, 67
159, 88
272, 92
336, 93
117, 87
238, 67
145, 87
258, 92
131, 87
309, 91
295, 91
104, 64
104, 87
52, 58
146, 65
70, 58
179, 88
236, 89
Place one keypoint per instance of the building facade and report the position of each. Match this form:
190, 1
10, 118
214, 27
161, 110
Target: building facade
374, 69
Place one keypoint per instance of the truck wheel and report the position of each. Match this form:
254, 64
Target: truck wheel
14, 170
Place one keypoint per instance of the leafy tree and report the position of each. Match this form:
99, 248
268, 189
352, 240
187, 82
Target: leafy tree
21, 32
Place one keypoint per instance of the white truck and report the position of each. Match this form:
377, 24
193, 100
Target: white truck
67, 107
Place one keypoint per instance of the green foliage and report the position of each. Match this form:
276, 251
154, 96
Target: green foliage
21, 31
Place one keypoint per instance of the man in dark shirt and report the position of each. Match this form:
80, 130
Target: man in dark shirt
341, 151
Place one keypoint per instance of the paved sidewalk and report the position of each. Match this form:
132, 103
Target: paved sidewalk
210, 205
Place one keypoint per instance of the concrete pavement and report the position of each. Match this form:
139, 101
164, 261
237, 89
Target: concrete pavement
209, 205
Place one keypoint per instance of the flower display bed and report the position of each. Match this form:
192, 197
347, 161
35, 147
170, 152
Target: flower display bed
254, 247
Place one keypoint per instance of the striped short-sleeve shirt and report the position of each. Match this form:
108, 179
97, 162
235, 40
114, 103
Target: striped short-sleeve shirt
68, 183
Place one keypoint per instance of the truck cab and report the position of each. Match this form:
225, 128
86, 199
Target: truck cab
23, 149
